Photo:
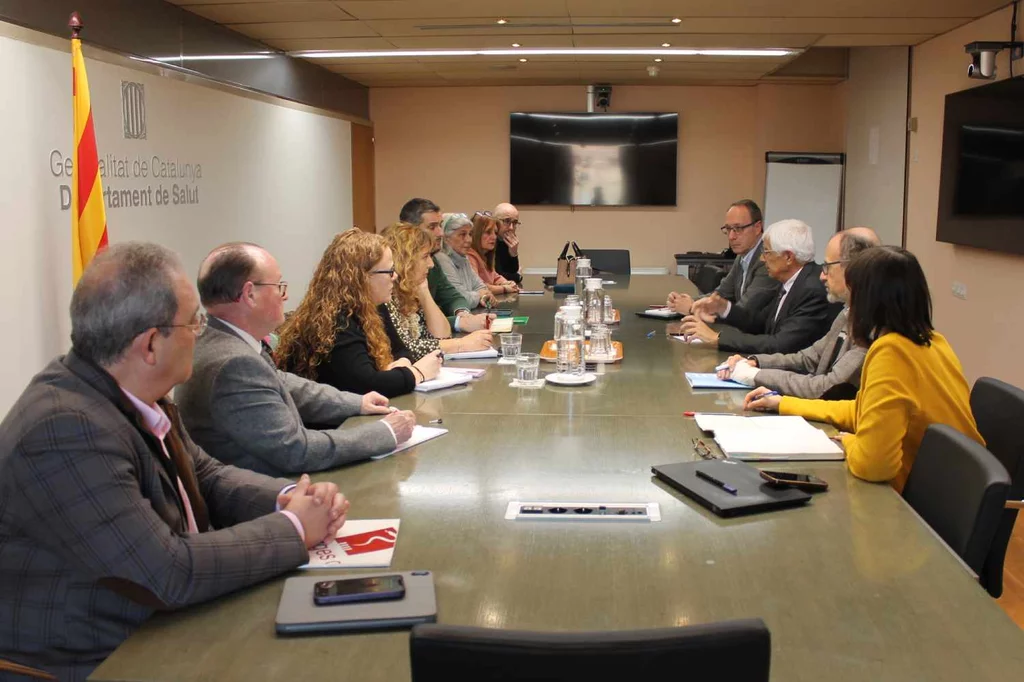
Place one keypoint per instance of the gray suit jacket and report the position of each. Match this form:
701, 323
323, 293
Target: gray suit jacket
811, 372
759, 289
92, 530
244, 411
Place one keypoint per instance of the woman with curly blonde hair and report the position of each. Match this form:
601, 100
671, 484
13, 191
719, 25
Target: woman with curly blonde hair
419, 321
340, 334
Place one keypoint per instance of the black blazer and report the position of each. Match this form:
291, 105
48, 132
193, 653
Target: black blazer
805, 317
505, 264
350, 367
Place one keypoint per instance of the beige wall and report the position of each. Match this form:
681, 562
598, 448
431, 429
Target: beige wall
451, 145
985, 330
876, 140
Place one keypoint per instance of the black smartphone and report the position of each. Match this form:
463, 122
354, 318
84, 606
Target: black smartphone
353, 590
502, 312
785, 479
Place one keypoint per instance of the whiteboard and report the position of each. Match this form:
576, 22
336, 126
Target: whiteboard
808, 187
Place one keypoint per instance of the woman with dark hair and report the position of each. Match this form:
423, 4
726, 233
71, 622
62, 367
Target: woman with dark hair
911, 378
340, 334
481, 254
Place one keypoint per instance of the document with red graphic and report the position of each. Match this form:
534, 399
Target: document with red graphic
361, 543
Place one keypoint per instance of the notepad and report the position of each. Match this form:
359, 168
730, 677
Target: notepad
667, 313
501, 325
448, 377
363, 543
472, 354
526, 292
420, 434
711, 380
769, 438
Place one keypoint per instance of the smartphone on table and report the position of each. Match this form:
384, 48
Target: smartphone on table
352, 590
785, 479
502, 312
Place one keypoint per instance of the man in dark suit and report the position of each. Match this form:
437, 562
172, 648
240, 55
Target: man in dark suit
799, 315
243, 410
108, 511
506, 250
748, 282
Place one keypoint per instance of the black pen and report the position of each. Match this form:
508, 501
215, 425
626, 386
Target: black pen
714, 481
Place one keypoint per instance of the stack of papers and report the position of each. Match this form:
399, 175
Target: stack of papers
472, 354
692, 340
367, 543
501, 325
711, 380
449, 377
420, 434
667, 313
769, 438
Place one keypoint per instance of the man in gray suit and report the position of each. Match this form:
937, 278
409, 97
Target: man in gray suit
243, 410
829, 367
108, 511
748, 282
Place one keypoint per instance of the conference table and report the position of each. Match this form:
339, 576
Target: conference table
853, 586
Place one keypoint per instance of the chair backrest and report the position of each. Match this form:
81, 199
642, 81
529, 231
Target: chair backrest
998, 409
706, 277
959, 488
739, 651
609, 260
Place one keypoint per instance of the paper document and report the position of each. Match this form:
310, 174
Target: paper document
661, 312
501, 325
420, 434
472, 354
448, 377
692, 341
363, 543
769, 437
528, 292
711, 380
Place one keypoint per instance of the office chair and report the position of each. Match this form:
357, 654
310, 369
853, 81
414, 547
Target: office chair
706, 277
609, 260
24, 670
739, 651
998, 409
959, 488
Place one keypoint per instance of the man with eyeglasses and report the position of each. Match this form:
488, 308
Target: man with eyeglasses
425, 214
506, 251
747, 282
243, 410
108, 510
830, 367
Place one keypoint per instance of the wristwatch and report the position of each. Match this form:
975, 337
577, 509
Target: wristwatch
753, 361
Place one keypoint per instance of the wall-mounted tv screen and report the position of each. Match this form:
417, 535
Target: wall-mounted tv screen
584, 159
981, 191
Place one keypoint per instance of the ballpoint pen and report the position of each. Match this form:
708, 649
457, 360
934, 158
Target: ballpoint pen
715, 482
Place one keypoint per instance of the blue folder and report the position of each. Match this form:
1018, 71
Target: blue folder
701, 380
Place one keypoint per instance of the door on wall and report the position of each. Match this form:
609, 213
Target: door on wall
363, 189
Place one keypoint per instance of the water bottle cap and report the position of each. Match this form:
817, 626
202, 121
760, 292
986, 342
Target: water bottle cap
594, 283
582, 262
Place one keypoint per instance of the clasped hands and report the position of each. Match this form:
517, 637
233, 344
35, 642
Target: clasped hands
320, 508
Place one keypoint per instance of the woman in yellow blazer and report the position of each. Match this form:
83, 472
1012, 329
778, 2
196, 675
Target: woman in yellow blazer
911, 378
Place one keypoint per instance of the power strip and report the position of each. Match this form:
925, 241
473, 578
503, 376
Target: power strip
582, 511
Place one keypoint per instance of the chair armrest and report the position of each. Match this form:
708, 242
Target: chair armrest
7, 666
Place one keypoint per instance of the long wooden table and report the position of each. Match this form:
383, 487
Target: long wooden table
852, 586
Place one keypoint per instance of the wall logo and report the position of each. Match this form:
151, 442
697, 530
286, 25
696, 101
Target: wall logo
133, 110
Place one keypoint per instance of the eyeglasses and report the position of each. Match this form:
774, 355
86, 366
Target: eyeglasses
828, 264
702, 449
486, 214
389, 273
728, 229
282, 286
197, 327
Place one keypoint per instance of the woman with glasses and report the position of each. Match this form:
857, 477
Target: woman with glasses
911, 378
482, 252
420, 324
341, 333
455, 263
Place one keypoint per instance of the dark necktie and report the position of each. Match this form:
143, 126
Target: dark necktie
265, 354
836, 351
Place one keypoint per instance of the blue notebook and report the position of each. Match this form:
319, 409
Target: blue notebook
711, 380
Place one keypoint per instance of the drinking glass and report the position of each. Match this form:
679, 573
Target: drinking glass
511, 343
600, 343
527, 368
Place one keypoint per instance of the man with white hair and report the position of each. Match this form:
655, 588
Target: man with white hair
798, 316
506, 251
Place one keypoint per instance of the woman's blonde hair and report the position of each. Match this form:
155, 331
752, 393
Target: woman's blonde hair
340, 287
480, 224
407, 246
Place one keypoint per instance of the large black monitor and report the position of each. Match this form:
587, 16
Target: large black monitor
585, 159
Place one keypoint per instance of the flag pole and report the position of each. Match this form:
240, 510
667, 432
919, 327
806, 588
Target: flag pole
75, 24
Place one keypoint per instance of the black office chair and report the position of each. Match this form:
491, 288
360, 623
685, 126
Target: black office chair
706, 277
998, 409
739, 651
609, 260
959, 488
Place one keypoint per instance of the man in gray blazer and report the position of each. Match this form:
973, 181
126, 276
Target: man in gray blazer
108, 511
748, 282
243, 410
832, 364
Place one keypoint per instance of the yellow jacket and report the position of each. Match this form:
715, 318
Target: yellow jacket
904, 388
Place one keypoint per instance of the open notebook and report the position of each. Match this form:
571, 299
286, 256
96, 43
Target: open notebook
769, 438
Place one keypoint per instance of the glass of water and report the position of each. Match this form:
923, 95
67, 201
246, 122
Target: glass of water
600, 343
527, 368
511, 344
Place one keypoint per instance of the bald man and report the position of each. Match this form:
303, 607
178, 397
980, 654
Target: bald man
243, 410
506, 252
830, 368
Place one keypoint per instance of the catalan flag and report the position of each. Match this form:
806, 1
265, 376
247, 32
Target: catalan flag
88, 216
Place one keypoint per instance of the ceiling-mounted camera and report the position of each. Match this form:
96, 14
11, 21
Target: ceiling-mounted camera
603, 95
983, 56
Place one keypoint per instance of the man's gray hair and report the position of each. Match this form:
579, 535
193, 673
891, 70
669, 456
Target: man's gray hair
124, 291
850, 244
793, 236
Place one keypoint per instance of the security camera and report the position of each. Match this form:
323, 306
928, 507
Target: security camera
983, 57
652, 71
603, 96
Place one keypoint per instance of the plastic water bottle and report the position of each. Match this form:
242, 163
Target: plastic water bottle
583, 273
569, 344
593, 302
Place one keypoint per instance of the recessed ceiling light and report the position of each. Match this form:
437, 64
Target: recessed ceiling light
658, 59
523, 59
516, 45
666, 44
502, 21
677, 20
